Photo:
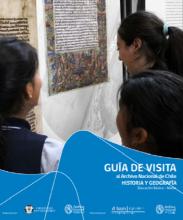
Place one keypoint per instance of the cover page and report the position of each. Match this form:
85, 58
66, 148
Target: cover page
83, 115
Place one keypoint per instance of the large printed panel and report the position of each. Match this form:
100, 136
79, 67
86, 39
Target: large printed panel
76, 43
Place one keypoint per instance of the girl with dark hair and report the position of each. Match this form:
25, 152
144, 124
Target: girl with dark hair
22, 150
150, 118
145, 42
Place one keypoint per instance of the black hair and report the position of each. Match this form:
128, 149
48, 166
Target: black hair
154, 101
18, 64
165, 48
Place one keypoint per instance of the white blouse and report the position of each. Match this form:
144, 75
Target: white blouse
51, 155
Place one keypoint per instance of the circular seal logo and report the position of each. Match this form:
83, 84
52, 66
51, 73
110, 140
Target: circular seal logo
68, 209
160, 209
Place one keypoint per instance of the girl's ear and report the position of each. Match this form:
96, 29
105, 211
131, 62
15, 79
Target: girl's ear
139, 137
29, 90
137, 44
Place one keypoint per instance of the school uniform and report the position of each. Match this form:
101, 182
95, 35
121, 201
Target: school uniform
27, 151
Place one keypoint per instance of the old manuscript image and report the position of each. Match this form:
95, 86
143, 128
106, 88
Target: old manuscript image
18, 19
76, 43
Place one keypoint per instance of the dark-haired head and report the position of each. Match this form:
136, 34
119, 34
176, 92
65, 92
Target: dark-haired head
145, 41
19, 81
150, 118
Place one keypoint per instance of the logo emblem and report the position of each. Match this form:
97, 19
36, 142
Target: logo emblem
29, 209
160, 209
68, 209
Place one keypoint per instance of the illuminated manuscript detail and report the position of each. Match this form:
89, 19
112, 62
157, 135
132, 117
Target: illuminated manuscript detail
76, 26
76, 43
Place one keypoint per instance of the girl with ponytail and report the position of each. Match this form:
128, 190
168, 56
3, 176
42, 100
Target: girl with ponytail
146, 42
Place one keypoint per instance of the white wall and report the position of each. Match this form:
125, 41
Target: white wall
157, 7
91, 108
